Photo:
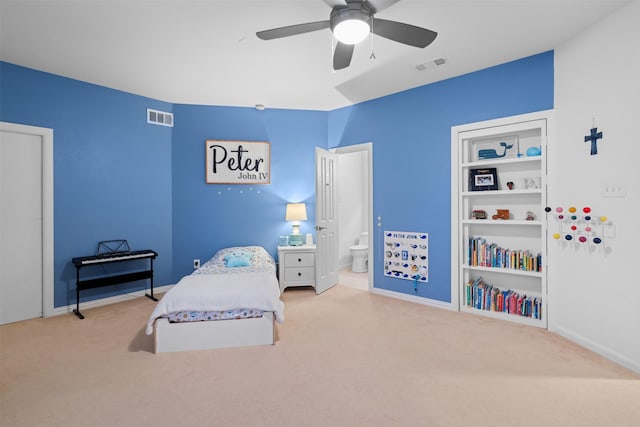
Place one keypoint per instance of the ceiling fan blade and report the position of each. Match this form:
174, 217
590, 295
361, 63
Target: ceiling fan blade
403, 33
342, 56
379, 5
292, 30
333, 3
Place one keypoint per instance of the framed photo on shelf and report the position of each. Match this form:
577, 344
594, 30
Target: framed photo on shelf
485, 179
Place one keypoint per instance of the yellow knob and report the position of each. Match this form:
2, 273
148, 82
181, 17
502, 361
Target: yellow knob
603, 219
556, 236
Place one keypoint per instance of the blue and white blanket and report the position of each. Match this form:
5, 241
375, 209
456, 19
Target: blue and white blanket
215, 287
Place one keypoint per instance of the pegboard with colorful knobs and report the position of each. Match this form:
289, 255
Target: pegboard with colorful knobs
580, 226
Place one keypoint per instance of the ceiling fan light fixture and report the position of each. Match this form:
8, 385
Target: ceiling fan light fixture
351, 31
351, 26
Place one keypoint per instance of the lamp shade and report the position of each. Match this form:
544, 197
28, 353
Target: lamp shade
296, 212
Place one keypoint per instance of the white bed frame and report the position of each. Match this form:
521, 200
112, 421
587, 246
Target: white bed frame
213, 334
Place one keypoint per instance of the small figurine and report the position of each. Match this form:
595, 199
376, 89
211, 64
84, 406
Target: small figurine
530, 216
479, 214
501, 214
534, 151
510, 185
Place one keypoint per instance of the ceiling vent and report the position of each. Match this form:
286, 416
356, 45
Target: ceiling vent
431, 64
159, 117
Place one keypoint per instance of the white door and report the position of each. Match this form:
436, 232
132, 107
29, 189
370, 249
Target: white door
21, 263
326, 220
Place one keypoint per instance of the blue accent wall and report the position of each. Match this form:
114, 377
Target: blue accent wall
411, 135
208, 217
112, 171
115, 176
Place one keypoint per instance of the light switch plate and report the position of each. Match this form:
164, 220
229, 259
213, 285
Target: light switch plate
614, 189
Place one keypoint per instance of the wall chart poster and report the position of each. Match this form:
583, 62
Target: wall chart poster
406, 255
238, 162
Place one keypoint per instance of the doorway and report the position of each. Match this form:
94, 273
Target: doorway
26, 222
355, 212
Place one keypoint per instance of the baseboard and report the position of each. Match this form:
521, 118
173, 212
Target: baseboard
412, 298
106, 301
599, 349
344, 266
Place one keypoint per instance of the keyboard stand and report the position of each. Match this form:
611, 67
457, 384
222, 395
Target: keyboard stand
98, 282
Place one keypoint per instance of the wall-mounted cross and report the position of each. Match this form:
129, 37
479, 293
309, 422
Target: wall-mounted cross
594, 137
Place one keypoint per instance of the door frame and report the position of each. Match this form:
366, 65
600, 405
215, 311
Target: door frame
47, 208
368, 147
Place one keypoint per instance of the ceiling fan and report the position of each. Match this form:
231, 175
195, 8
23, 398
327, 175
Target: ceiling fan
351, 23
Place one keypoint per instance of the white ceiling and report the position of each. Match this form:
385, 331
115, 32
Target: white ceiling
206, 52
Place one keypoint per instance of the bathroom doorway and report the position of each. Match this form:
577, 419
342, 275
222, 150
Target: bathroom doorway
355, 212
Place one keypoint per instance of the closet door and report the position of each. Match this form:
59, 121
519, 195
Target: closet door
20, 226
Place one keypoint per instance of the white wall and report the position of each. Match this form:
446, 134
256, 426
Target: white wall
353, 202
594, 292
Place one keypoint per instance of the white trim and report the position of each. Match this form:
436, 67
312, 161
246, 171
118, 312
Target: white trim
599, 349
368, 147
416, 299
47, 208
110, 300
470, 129
455, 158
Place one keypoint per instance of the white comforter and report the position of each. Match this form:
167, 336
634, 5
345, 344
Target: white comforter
220, 292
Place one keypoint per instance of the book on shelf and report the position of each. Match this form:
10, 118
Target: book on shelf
483, 254
482, 296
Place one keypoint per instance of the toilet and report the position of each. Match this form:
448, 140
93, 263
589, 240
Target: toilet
359, 253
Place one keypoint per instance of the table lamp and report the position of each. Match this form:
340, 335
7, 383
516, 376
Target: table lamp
296, 212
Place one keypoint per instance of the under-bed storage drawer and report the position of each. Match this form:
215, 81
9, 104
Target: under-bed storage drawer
297, 266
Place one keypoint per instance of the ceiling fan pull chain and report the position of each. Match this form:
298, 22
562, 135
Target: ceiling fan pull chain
373, 55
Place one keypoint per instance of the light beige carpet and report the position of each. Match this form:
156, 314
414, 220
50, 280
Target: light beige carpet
343, 358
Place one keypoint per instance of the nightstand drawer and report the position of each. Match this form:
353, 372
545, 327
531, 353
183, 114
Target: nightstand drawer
300, 274
305, 259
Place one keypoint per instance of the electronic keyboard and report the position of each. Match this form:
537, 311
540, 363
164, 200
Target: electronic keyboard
113, 257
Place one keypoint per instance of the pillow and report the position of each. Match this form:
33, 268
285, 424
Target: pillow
237, 259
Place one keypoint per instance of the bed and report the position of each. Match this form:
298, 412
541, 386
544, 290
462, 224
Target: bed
232, 300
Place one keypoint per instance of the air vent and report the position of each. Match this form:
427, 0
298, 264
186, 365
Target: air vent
431, 64
159, 117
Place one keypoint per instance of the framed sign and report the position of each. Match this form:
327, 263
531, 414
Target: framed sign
238, 162
483, 179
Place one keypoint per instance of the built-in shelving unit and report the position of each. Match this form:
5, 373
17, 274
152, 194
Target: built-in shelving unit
499, 265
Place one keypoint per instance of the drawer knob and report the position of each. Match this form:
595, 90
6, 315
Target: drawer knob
299, 259
299, 274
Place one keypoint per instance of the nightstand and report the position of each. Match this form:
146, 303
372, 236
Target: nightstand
296, 266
